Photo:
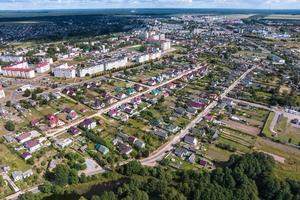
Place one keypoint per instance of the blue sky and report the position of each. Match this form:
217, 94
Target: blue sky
73, 4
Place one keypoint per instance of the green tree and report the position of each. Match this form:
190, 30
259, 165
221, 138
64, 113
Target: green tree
10, 126
27, 93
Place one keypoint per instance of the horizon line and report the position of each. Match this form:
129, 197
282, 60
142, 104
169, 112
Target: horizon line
133, 8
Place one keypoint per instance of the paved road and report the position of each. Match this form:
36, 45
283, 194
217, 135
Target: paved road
161, 152
119, 103
15, 196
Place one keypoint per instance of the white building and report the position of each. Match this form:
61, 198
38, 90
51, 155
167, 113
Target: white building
19, 65
10, 58
64, 71
143, 58
162, 37
155, 55
2, 94
115, 64
64, 143
18, 72
48, 60
25, 87
42, 67
166, 45
87, 71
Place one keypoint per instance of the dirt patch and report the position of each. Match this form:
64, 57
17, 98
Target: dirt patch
242, 127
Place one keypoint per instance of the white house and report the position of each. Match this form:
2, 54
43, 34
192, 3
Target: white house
64, 143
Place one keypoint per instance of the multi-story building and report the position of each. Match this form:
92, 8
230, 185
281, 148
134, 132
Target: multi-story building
21, 70
42, 67
142, 58
93, 69
155, 55
166, 45
64, 71
10, 58
115, 64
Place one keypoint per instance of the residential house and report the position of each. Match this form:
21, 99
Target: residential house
17, 176
53, 121
162, 134
72, 115
180, 111
197, 104
139, 143
203, 163
136, 101
130, 91
26, 155
103, 149
138, 87
63, 143
191, 110
27, 173
74, 131
181, 152
88, 124
190, 140
192, 158
155, 92
121, 96
32, 145
124, 148
113, 113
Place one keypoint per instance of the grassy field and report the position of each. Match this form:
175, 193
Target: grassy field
291, 167
218, 154
11, 159
266, 130
284, 129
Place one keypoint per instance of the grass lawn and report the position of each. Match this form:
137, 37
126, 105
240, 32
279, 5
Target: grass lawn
284, 129
218, 154
292, 155
266, 130
282, 125
233, 143
5, 191
12, 160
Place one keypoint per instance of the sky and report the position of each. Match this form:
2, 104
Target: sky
85, 4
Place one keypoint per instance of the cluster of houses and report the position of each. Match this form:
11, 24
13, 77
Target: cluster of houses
189, 152
124, 143
105, 97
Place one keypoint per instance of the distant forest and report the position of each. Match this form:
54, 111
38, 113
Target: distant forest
60, 27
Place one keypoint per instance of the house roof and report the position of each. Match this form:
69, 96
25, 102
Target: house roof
23, 136
87, 122
31, 143
189, 139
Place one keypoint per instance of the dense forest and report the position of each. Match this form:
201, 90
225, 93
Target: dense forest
249, 176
